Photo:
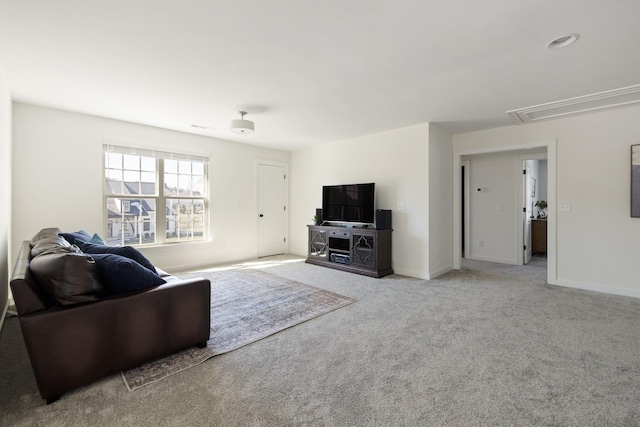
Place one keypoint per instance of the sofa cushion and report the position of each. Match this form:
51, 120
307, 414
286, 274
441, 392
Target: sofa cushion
69, 277
125, 251
120, 274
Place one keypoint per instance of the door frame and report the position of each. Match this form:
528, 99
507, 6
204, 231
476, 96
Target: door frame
551, 146
256, 202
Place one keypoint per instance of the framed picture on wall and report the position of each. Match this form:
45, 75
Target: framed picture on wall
635, 181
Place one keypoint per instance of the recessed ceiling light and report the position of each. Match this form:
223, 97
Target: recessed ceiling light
563, 41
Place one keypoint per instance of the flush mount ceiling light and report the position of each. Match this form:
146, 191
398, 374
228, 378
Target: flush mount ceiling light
563, 41
241, 125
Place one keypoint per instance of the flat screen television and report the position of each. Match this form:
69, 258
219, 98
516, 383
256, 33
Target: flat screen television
349, 203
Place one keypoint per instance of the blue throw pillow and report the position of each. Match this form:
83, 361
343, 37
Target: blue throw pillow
80, 235
125, 251
120, 274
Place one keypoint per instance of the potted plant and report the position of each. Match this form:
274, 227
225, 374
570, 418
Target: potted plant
542, 206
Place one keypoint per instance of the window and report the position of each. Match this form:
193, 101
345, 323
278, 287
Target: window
140, 184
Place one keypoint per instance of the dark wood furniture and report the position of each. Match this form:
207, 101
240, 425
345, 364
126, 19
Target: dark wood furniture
357, 250
539, 236
70, 346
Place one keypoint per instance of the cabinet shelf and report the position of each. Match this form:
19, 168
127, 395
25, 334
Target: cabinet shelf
339, 251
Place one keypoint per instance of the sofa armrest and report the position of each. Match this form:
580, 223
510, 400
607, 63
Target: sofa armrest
26, 292
72, 346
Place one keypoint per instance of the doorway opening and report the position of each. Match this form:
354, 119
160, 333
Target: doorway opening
534, 202
510, 207
464, 205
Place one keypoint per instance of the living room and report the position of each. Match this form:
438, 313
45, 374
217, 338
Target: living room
52, 175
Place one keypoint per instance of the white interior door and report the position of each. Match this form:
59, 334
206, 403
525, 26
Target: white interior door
272, 209
527, 210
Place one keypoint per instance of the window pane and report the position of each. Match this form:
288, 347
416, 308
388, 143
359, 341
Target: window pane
114, 174
197, 186
185, 220
131, 176
148, 184
113, 182
170, 184
131, 162
131, 182
171, 166
184, 182
197, 168
114, 160
185, 167
148, 164
130, 221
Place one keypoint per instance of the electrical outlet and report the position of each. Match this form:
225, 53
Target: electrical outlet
564, 207
481, 243
437, 254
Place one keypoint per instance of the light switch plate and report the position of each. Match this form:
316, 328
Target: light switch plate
564, 207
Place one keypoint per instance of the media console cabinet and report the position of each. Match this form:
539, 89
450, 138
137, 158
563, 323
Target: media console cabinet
357, 250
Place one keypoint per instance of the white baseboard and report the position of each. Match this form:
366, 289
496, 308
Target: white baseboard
598, 288
411, 273
440, 272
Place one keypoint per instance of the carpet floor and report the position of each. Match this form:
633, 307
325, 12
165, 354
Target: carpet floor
246, 305
487, 345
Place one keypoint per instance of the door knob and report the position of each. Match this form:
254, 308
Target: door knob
261, 215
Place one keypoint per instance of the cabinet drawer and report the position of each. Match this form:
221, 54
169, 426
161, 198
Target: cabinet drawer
339, 233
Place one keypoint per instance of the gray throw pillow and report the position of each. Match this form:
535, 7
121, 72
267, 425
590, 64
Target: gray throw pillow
69, 277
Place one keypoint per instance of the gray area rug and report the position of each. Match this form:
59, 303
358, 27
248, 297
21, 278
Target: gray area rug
246, 306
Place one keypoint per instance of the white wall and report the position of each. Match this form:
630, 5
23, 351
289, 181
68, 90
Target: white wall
440, 201
397, 161
597, 241
5, 192
58, 181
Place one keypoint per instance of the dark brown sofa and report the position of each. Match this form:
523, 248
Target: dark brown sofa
73, 345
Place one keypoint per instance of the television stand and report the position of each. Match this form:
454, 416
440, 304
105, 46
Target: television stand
357, 250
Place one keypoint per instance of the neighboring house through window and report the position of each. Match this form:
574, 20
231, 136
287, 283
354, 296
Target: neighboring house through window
140, 184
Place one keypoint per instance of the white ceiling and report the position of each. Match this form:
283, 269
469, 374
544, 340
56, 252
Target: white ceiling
311, 72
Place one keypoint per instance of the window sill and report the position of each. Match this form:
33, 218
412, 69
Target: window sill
165, 246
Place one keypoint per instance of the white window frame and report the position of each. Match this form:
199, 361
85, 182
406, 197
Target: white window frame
159, 196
